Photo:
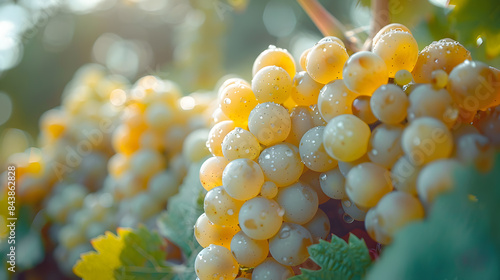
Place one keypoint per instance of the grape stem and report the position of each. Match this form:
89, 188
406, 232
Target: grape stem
328, 24
381, 17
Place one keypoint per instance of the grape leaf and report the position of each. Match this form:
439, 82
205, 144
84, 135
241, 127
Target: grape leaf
470, 19
102, 263
131, 254
338, 259
460, 238
183, 210
143, 256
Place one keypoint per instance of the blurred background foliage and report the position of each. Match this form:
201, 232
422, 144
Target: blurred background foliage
193, 42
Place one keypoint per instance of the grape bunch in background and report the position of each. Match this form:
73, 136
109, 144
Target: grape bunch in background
111, 156
382, 130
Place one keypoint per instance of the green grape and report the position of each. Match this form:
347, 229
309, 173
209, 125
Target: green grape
312, 152
289, 245
217, 263
299, 201
346, 138
242, 179
270, 123
260, 218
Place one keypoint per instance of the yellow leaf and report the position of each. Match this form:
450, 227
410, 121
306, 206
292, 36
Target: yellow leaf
101, 265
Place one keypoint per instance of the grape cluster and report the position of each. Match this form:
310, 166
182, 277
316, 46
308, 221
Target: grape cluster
380, 130
111, 155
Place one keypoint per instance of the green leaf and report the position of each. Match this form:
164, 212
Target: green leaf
338, 260
101, 264
470, 19
143, 256
183, 210
131, 254
176, 224
460, 238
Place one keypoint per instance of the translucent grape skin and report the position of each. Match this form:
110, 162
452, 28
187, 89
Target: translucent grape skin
367, 183
220, 208
270, 123
240, 143
426, 101
387, 28
436, 178
325, 61
289, 245
346, 138
274, 56
242, 179
389, 104
361, 109
207, 233
335, 99
301, 122
394, 211
444, 54
281, 164
318, 226
211, 172
364, 72
236, 102
216, 136
260, 218
217, 263
333, 183
404, 175
474, 86
385, 145
271, 269
403, 77
312, 152
272, 84
426, 139
306, 89
247, 251
299, 201
398, 49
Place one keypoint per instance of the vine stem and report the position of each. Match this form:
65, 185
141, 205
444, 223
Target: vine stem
328, 24
380, 18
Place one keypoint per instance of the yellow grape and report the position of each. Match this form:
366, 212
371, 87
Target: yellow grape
389, 103
367, 183
474, 86
270, 123
240, 143
398, 49
247, 251
444, 54
211, 172
387, 28
436, 178
236, 102
335, 99
289, 245
403, 77
364, 72
346, 138
260, 218
299, 201
281, 164
303, 59
427, 101
361, 109
216, 263
242, 179
404, 175
216, 136
274, 56
325, 61
385, 144
220, 208
426, 139
207, 233
312, 152
306, 89
272, 84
